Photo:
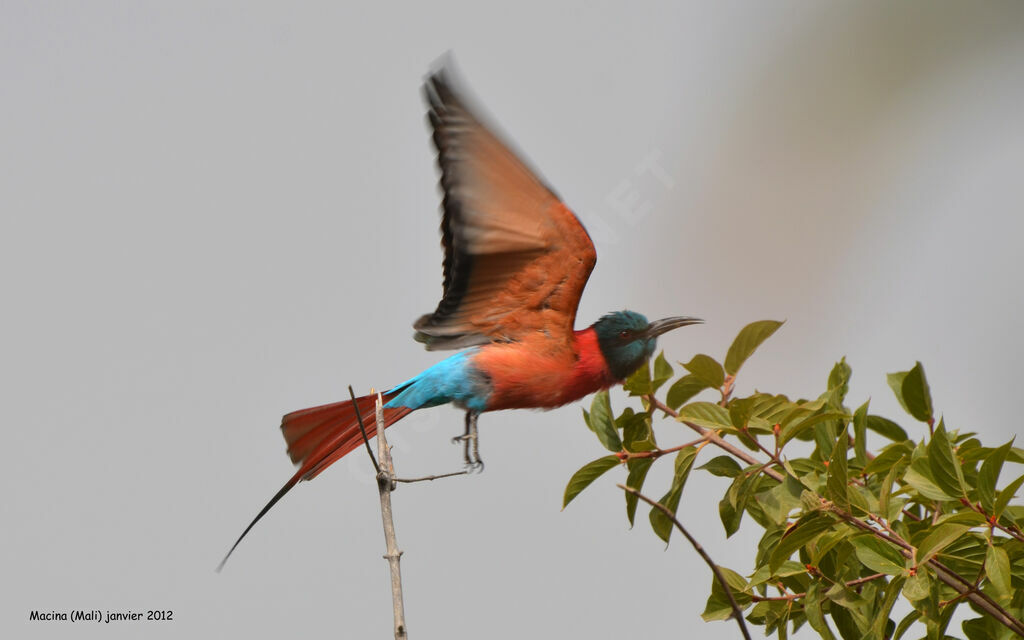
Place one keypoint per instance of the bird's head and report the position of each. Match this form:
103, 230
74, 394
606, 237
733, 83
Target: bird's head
627, 339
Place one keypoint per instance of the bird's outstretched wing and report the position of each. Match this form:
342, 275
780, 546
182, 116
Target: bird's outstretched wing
516, 258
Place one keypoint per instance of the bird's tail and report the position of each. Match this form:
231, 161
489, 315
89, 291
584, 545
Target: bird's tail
320, 436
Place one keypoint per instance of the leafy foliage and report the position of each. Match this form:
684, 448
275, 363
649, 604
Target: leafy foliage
847, 531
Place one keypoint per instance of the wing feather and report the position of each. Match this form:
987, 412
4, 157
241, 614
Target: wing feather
516, 258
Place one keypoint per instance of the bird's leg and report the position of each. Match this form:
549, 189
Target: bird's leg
471, 417
470, 443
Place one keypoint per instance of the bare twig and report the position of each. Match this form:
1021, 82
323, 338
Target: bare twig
386, 485
726, 389
796, 596
425, 478
736, 611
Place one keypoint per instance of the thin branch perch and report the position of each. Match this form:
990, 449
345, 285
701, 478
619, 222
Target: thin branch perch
386, 485
430, 478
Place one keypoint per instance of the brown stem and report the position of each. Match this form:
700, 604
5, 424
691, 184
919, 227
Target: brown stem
736, 611
656, 453
715, 439
795, 596
393, 556
385, 485
726, 389
993, 523
425, 478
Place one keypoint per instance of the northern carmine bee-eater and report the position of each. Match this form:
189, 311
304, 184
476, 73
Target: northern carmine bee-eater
516, 261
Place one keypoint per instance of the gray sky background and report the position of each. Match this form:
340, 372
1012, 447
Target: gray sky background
217, 213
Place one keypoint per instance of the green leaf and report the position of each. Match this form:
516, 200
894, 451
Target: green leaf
916, 395
807, 528
839, 381
860, 435
781, 499
820, 547
706, 414
905, 624
637, 434
733, 505
662, 372
1005, 496
972, 518
944, 465
683, 389
919, 477
845, 623
747, 341
718, 606
791, 431
837, 483
729, 516
997, 568
815, 616
890, 456
892, 592
660, 522
939, 538
887, 428
638, 469
740, 410
707, 370
884, 493
722, 466
602, 422
917, 587
862, 501
978, 628
771, 407
587, 474
799, 411
895, 381
639, 382
988, 476
878, 555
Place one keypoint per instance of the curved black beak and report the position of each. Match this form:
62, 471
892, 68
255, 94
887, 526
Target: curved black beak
659, 327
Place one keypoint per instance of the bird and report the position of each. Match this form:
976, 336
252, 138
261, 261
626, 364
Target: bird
516, 260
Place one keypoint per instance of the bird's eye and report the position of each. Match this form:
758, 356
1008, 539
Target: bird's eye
624, 334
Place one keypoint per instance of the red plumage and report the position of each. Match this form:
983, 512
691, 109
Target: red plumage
540, 373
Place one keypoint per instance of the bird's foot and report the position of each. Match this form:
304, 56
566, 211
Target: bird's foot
470, 451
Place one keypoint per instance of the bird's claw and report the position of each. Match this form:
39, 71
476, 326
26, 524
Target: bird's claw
470, 445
